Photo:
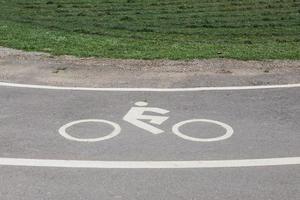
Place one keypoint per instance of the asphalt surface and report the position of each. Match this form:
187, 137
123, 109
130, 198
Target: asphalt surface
265, 123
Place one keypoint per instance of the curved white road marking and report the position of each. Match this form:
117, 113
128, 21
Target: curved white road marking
150, 89
149, 164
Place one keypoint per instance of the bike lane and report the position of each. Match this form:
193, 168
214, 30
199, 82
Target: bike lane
264, 122
265, 125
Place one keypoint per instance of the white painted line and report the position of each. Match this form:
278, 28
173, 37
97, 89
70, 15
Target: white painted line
150, 89
149, 164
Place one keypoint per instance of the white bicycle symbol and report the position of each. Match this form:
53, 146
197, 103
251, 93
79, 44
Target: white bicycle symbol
135, 116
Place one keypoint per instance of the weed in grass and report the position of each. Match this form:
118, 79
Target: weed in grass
126, 18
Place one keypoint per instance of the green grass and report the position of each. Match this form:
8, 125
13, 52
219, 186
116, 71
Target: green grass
154, 29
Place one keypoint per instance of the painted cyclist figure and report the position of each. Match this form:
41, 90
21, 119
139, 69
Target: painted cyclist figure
137, 117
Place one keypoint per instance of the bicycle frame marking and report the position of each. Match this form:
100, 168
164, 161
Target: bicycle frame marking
136, 114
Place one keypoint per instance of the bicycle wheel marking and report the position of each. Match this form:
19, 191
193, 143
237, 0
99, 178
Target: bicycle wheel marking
228, 134
62, 131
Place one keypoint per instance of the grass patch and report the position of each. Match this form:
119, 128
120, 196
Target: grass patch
154, 29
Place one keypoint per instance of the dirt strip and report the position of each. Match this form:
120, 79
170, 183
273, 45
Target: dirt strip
40, 68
